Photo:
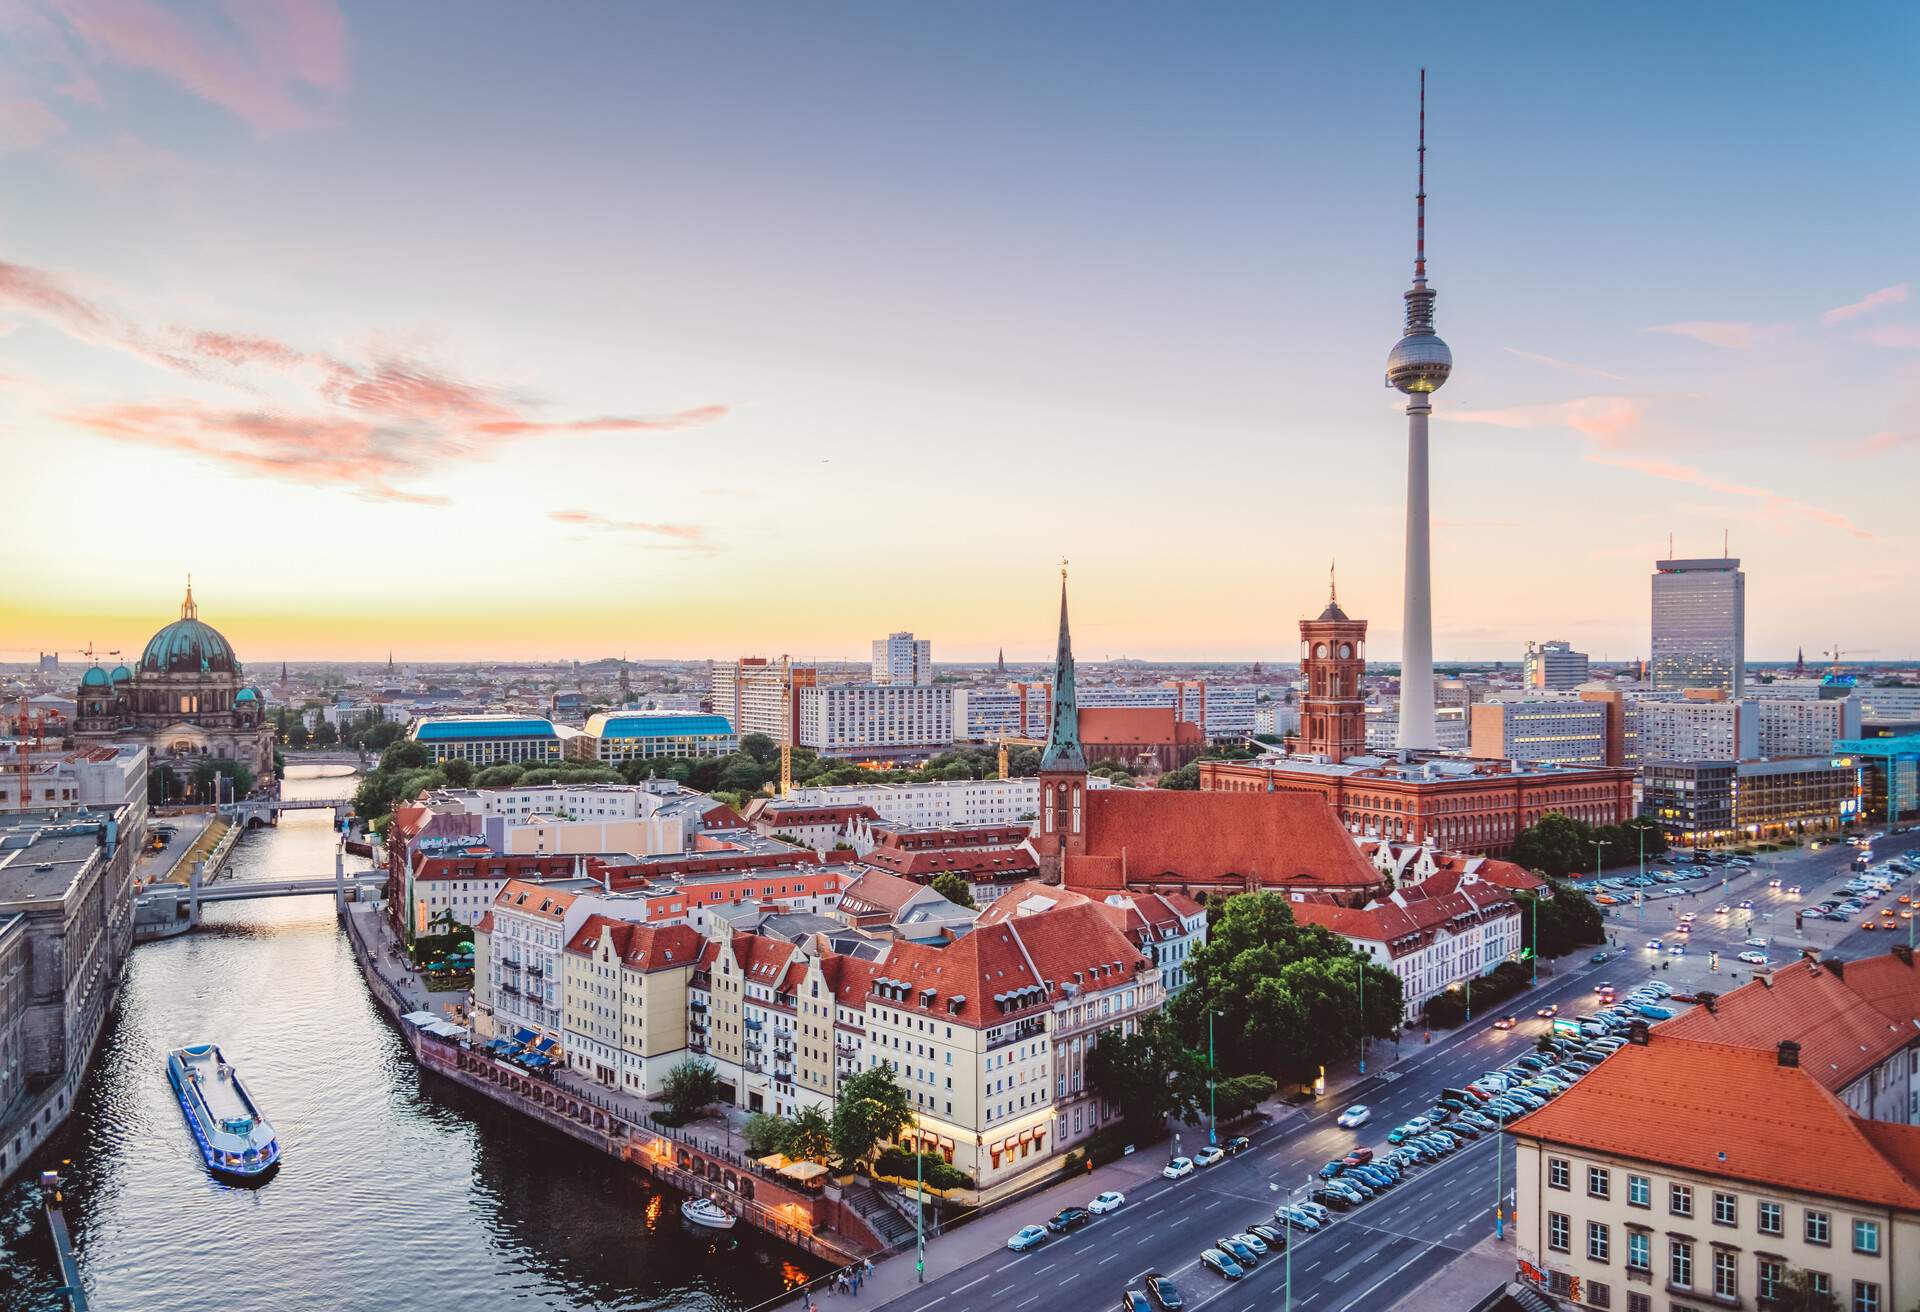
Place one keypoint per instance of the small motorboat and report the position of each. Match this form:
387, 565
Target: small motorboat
706, 1212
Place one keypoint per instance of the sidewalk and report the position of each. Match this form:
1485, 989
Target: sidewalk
1463, 1283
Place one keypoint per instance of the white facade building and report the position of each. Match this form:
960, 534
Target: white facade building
757, 695
1805, 728
1698, 730
942, 804
847, 719
1554, 666
902, 658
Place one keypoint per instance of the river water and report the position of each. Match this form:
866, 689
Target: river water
393, 1194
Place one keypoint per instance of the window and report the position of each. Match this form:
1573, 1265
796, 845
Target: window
1639, 1303
1639, 1251
1866, 1237
1599, 1242
1599, 1182
1726, 1274
1639, 1191
1866, 1296
1680, 1263
1772, 1276
1598, 1295
1771, 1222
1557, 1232
1819, 1226
1557, 1174
1680, 1199
1726, 1210
1820, 1283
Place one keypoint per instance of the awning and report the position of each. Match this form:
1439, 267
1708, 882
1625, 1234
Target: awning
523, 1036
772, 1161
419, 1017
804, 1171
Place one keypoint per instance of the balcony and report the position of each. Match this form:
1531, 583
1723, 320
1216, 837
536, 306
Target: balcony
507, 986
534, 970
697, 1005
511, 963
755, 1026
1019, 1032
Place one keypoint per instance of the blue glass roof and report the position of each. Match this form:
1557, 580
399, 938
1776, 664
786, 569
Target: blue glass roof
458, 729
658, 724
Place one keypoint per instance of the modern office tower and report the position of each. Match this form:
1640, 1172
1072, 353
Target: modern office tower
1419, 363
1700, 625
902, 658
1554, 666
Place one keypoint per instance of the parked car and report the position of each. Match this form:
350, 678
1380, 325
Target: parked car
1178, 1169
1295, 1218
1215, 1260
1026, 1237
1211, 1154
1165, 1294
1332, 1170
1355, 1116
1237, 1145
1238, 1249
1359, 1157
1110, 1201
1754, 958
1339, 1202
1135, 1300
1275, 1239
1068, 1219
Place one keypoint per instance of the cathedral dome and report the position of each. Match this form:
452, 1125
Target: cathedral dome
188, 646
246, 695
121, 674
94, 678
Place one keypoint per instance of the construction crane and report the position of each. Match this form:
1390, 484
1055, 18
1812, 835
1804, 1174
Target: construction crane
1010, 741
1839, 654
30, 728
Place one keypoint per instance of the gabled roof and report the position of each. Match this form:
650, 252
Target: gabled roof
1841, 1034
1729, 1111
1281, 839
877, 892
1001, 863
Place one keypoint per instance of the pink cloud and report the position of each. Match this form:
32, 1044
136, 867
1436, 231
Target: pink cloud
1730, 336
275, 64
377, 425
1893, 295
690, 537
1883, 442
1772, 501
123, 158
1897, 336
1554, 362
1609, 420
25, 123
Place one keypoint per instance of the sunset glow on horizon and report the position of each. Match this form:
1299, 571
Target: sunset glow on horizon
693, 332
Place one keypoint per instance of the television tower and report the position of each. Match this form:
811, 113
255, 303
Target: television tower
1418, 365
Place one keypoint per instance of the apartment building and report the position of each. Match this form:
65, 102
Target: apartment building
1647, 1188
1559, 730
902, 658
758, 695
1698, 730
1553, 665
625, 1008
1432, 935
1021, 710
941, 804
875, 719
1788, 728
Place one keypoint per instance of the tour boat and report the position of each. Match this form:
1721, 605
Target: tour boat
706, 1212
234, 1139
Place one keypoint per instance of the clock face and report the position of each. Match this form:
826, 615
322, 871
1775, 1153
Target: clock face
1346, 650
1320, 649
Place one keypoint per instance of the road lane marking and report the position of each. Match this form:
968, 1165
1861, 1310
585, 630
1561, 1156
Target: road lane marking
976, 1280
1108, 1258
924, 1306
1003, 1289
1034, 1299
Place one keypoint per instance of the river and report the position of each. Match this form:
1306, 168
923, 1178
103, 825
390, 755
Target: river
393, 1194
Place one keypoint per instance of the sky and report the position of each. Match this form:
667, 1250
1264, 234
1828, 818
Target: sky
520, 331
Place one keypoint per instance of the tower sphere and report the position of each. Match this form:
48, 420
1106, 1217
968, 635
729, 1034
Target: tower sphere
1419, 362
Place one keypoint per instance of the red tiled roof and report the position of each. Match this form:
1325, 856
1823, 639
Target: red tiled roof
1841, 1034
1281, 839
909, 838
876, 890
661, 947
1408, 919
1890, 983
1727, 1111
774, 816
973, 863
1126, 726
533, 899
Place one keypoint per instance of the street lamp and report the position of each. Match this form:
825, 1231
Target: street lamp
1599, 843
1212, 1137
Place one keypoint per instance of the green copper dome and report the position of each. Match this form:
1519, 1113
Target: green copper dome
94, 678
121, 674
187, 646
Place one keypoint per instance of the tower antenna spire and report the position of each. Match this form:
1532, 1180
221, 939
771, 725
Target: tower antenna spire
1420, 196
1333, 586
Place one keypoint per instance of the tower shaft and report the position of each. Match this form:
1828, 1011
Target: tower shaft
1416, 652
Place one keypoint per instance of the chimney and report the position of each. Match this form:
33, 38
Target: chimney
1707, 1000
1905, 953
1836, 966
1789, 1053
1637, 1033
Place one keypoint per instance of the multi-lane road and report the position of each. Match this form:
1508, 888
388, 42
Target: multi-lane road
1370, 1257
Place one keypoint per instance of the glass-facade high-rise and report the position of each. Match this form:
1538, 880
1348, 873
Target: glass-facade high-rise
1700, 625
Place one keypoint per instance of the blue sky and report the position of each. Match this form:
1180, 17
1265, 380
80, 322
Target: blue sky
764, 327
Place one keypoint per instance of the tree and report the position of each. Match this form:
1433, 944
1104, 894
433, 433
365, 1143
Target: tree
325, 733
1237, 1095
1186, 778
1556, 845
162, 787
689, 1087
297, 735
766, 1133
459, 773
812, 1136
741, 774
498, 776
761, 747
1567, 920
954, 889
1796, 1294
379, 737
404, 755
1149, 1075
871, 1111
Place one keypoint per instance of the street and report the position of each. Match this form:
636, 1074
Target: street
1375, 1254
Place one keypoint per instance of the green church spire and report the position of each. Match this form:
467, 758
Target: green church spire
1063, 751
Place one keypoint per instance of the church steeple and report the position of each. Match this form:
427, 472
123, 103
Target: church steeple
1063, 750
189, 611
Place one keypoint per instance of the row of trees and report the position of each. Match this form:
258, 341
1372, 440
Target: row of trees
1559, 846
869, 1113
369, 732
1554, 926
164, 787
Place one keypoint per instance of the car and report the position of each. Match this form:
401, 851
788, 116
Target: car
1399, 1134
1653, 1011
1026, 1237
1337, 1200
1068, 1219
1455, 1105
1754, 958
1550, 1010
1379, 1175
1603, 988
1239, 1249
1211, 1155
1317, 1212
1597, 958
1465, 1130
1683, 929
1237, 1145
1533, 1061
1273, 1238
1689, 917
1722, 909
1359, 1157
1793, 890
1746, 904
1165, 1294
1439, 1115
1355, 1116
1178, 1169
1773, 883
1110, 1201
1479, 1120
1868, 924
1756, 942
1332, 1170
1606, 899
1677, 950
1353, 1187
1655, 944
1577, 1064
1135, 1300
1295, 1218
1215, 1260
1505, 1022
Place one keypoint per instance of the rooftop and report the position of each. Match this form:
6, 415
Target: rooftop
41, 856
470, 728
657, 724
